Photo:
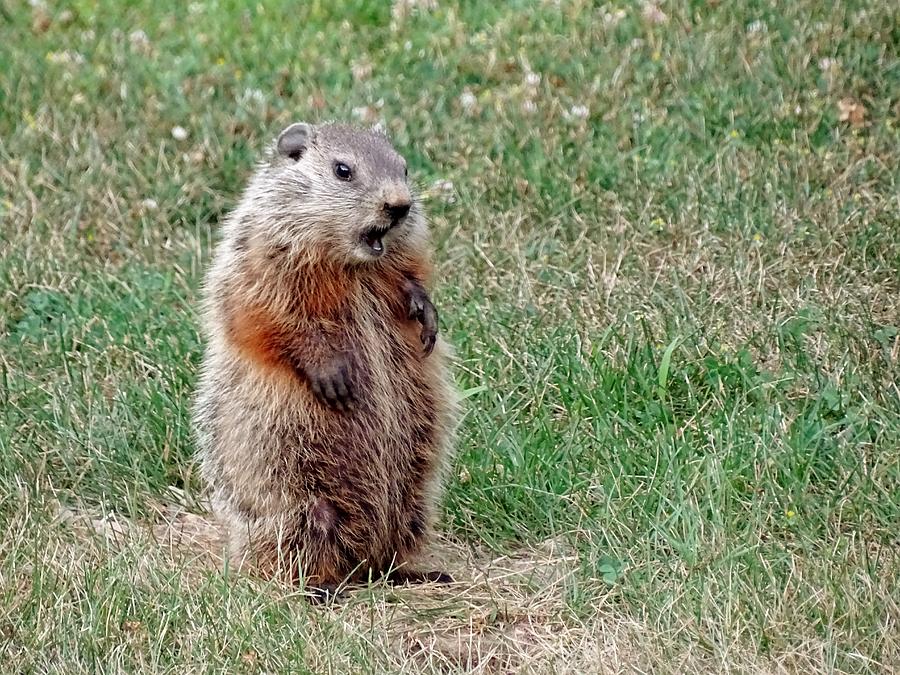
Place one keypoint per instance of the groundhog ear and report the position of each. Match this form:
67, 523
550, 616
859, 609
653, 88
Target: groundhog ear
293, 141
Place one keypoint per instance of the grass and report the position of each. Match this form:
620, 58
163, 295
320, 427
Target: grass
669, 259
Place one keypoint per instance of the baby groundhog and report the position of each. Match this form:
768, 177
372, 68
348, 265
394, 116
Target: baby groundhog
325, 409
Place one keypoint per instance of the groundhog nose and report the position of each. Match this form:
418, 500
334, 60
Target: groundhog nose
396, 211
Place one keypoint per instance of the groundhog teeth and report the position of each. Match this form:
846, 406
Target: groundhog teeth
373, 240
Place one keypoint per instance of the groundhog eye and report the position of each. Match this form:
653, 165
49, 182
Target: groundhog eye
342, 171
405, 172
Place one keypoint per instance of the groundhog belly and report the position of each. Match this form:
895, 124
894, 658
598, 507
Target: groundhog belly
372, 469
385, 452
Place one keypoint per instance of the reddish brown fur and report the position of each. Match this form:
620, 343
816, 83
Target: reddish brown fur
268, 333
254, 334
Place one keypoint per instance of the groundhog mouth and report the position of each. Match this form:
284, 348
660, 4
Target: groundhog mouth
373, 239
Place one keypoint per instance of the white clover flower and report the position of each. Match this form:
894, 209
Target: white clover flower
756, 27
67, 57
361, 70
444, 189
468, 101
252, 97
532, 79
653, 14
139, 40
579, 112
529, 107
179, 133
612, 19
403, 8
363, 113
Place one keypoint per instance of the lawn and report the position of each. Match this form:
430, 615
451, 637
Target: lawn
668, 256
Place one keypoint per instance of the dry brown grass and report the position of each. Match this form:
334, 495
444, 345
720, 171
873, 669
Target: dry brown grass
503, 614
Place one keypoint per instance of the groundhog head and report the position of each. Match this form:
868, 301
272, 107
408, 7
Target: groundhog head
344, 191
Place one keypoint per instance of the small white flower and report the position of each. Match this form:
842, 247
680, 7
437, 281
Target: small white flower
529, 107
756, 27
403, 8
653, 14
407, 45
139, 40
468, 101
361, 70
363, 113
179, 133
252, 98
827, 64
579, 112
612, 19
532, 79
67, 57
150, 204
444, 189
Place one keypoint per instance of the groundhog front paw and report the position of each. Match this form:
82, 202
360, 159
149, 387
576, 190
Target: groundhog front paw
333, 384
422, 310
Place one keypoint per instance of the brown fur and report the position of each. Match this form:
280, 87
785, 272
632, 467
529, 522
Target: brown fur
293, 301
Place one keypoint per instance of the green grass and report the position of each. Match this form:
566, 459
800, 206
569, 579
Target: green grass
679, 319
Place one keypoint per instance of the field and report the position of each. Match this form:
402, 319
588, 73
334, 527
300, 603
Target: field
668, 249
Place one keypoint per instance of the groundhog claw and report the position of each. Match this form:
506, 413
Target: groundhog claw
422, 310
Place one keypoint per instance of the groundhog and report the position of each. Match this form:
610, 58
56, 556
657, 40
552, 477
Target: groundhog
325, 409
